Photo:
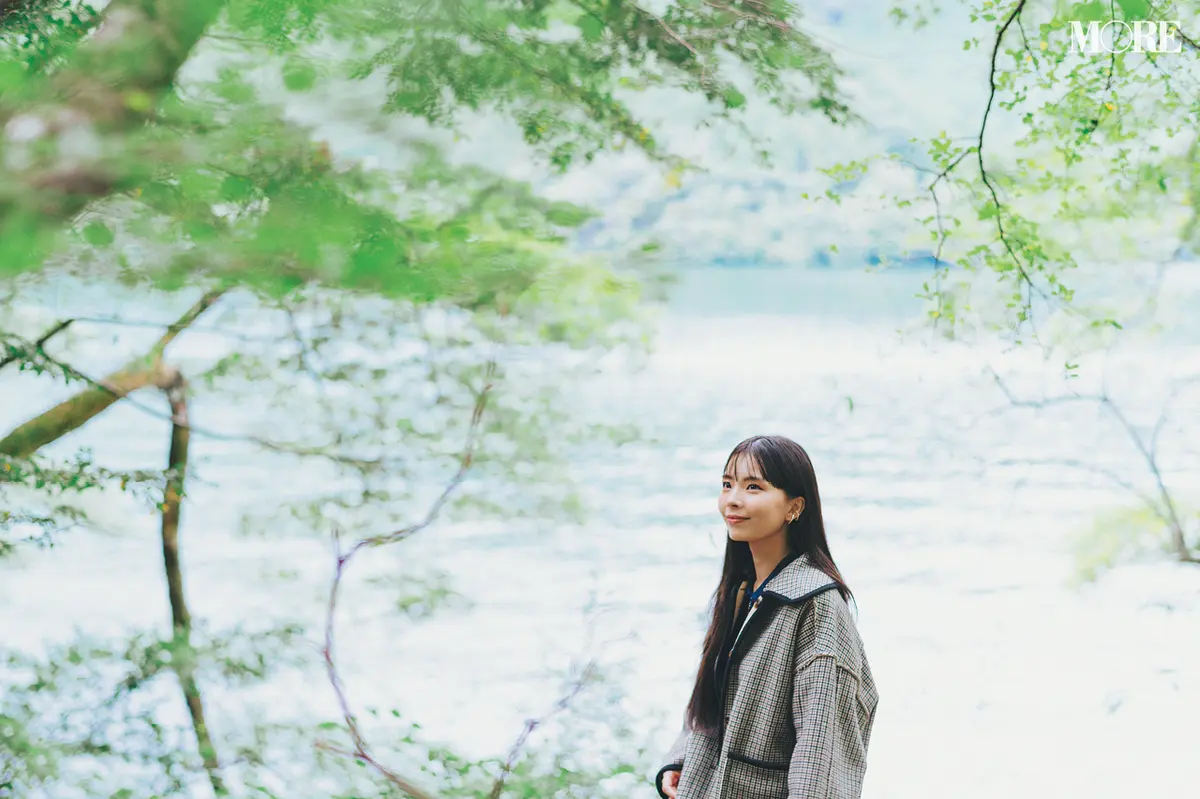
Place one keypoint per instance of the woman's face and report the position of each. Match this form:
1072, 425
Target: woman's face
752, 508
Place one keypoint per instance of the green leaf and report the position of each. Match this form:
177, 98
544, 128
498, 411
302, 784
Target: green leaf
235, 189
299, 76
734, 98
591, 26
1092, 11
11, 75
200, 231
567, 215
1134, 9
98, 234
138, 101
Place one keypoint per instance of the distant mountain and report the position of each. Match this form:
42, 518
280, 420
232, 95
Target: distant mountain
741, 214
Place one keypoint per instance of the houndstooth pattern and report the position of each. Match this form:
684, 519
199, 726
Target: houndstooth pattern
800, 703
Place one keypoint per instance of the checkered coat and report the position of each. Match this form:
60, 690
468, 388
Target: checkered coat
799, 702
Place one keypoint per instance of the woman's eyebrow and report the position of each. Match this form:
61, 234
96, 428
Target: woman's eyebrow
749, 477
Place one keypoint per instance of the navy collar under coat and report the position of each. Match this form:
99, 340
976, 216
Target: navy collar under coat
798, 581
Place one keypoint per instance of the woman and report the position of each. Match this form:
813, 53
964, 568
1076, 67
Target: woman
784, 700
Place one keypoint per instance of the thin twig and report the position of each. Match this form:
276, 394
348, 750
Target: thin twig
667, 28
1163, 505
101, 394
1016, 12
943, 234
307, 356
1176, 390
532, 724
118, 321
42, 341
361, 750
766, 17
1028, 49
1084, 466
1093, 124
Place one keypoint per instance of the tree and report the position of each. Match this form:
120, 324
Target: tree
1103, 150
1158, 511
1100, 173
147, 145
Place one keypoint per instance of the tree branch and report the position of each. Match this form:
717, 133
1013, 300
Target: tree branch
73, 413
361, 750
1092, 124
1016, 12
1163, 504
675, 37
943, 234
1178, 541
767, 17
1025, 44
105, 387
1176, 390
12, 7
41, 342
532, 724
1084, 466
1027, 286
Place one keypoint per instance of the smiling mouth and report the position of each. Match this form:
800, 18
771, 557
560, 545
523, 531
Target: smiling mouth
736, 519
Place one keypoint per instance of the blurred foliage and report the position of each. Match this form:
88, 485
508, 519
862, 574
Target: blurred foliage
1101, 169
211, 167
1126, 535
38, 497
421, 596
92, 709
96, 715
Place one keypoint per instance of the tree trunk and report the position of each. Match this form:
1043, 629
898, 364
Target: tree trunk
183, 660
109, 86
1178, 539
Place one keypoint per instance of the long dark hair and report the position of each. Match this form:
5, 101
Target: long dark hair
785, 465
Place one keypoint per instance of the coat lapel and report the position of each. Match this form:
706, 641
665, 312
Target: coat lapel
798, 582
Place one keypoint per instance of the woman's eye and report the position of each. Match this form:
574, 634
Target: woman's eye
752, 485
725, 484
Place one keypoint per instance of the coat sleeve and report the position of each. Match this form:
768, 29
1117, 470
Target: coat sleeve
829, 759
673, 759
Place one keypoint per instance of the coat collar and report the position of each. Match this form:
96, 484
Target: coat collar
798, 581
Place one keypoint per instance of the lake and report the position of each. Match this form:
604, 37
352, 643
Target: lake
947, 511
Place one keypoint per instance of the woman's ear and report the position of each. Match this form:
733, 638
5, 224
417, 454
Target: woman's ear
798, 507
